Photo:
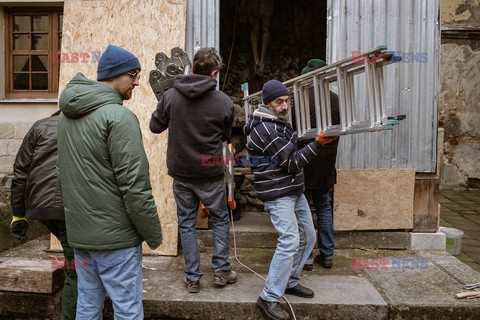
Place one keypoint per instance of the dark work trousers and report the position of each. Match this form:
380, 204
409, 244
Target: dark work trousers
69, 294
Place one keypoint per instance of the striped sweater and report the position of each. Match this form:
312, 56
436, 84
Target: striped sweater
279, 172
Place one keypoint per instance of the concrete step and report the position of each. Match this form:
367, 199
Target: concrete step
402, 290
254, 230
405, 285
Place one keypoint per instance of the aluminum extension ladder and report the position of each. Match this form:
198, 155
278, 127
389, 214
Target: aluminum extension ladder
343, 72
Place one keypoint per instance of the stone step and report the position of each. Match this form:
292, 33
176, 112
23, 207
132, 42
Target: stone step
344, 292
353, 289
254, 230
30, 275
348, 298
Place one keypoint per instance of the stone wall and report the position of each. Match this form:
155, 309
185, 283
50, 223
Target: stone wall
459, 100
11, 137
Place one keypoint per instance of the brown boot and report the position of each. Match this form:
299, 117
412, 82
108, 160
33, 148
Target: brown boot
222, 278
272, 309
193, 286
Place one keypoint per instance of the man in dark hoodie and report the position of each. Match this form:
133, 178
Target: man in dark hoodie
105, 181
36, 195
279, 182
199, 119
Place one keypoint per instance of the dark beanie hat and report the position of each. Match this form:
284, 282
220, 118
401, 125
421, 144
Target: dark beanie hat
116, 61
313, 64
273, 89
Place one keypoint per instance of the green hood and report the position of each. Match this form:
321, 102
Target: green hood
82, 96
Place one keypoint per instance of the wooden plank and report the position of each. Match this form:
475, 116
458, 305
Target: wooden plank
144, 28
36, 275
374, 200
425, 204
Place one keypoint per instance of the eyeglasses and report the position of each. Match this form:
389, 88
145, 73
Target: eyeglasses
134, 75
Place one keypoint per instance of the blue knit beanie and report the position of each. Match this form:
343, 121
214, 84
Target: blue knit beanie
116, 61
273, 89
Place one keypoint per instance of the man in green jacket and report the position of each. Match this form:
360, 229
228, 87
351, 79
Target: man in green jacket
105, 181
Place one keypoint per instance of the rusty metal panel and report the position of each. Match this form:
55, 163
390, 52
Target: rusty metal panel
410, 28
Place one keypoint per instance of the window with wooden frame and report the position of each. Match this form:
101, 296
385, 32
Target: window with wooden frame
32, 36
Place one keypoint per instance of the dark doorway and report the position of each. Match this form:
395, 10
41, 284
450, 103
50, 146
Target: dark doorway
297, 33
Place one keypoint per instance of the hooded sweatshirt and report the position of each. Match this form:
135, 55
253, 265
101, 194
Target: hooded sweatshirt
103, 170
199, 118
275, 161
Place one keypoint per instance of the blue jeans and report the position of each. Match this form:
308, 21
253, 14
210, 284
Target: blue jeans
291, 217
322, 203
213, 196
116, 272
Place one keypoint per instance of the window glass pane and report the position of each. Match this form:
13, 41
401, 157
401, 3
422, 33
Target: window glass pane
21, 42
39, 81
60, 22
21, 23
20, 81
20, 63
39, 41
39, 63
39, 23
31, 35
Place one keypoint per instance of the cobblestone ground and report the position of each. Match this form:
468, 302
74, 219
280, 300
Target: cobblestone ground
461, 210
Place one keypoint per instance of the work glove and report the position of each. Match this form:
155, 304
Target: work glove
18, 228
321, 139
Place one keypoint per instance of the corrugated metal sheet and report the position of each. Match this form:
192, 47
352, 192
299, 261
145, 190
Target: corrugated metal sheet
412, 28
203, 25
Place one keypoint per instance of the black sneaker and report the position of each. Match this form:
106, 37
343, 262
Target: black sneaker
193, 286
327, 263
272, 309
300, 291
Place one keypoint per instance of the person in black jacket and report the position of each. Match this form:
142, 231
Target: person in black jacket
36, 194
199, 119
320, 176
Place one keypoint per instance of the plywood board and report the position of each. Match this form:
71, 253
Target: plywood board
374, 200
144, 27
32, 275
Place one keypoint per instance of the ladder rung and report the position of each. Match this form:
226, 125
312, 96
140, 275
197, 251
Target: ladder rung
316, 85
